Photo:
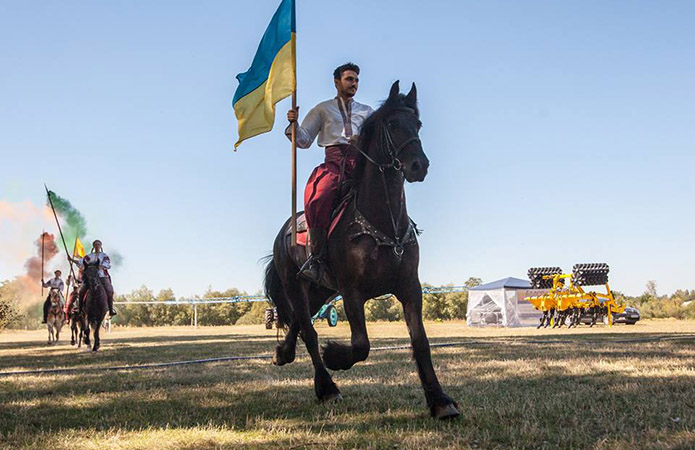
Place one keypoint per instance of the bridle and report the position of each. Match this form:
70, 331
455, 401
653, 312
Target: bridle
55, 298
397, 242
91, 278
393, 151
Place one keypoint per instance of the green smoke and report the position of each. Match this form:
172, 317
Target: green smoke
73, 223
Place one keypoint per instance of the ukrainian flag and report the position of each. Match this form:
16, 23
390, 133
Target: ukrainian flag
272, 76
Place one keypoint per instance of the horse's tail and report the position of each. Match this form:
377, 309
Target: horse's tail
276, 294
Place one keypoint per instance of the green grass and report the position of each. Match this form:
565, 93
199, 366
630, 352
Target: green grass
600, 388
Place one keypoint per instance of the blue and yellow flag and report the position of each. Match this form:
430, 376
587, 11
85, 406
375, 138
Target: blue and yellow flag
272, 76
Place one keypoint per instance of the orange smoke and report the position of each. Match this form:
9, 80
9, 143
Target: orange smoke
33, 264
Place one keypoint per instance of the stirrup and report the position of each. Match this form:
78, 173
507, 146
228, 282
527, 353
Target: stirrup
311, 270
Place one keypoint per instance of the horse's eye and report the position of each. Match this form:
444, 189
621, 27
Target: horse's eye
393, 124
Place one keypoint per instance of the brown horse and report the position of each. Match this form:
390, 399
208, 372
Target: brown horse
95, 305
56, 317
372, 251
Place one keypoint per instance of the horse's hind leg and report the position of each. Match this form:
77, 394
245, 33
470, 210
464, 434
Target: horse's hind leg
286, 350
339, 356
441, 405
324, 387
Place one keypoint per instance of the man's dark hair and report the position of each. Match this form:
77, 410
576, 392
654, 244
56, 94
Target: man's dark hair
338, 72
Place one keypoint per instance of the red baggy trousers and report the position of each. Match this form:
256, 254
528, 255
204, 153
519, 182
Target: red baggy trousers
324, 183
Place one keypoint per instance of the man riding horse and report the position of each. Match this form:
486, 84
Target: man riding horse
73, 297
53, 283
372, 250
97, 256
337, 124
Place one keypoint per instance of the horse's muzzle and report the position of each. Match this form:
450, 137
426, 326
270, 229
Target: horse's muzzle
417, 170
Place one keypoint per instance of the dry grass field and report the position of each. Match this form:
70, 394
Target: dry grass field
600, 388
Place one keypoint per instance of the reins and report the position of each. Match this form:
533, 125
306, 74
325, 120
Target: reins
395, 164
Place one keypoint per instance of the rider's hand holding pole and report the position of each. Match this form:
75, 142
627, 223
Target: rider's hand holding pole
293, 115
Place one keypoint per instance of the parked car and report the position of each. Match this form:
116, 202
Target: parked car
629, 317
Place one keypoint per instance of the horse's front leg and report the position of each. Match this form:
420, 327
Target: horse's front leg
80, 332
97, 341
286, 350
441, 405
87, 340
339, 356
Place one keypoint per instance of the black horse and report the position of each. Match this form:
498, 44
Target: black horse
95, 305
77, 320
372, 251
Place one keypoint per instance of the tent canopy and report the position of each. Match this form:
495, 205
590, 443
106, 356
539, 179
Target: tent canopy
508, 283
500, 302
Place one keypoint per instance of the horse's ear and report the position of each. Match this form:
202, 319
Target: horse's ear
411, 98
395, 90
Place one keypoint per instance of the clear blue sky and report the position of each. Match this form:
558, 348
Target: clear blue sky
558, 132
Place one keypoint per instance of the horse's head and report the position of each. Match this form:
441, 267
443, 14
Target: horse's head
391, 135
55, 295
90, 276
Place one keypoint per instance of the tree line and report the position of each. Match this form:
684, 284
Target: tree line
17, 312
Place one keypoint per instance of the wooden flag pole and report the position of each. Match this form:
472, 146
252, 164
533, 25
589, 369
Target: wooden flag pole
294, 171
70, 279
50, 201
43, 235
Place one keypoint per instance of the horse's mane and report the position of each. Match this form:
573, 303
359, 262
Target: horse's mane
370, 127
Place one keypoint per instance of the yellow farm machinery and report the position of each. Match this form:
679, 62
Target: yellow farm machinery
566, 301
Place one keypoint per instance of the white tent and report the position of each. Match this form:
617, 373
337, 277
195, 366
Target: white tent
502, 303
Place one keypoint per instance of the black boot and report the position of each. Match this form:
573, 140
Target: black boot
111, 311
313, 268
46, 308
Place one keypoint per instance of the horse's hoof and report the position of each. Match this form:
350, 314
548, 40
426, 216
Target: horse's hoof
446, 412
332, 398
281, 360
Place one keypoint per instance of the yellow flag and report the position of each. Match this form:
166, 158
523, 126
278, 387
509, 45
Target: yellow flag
79, 249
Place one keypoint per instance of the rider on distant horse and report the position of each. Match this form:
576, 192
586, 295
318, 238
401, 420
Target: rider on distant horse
76, 285
337, 123
97, 255
54, 283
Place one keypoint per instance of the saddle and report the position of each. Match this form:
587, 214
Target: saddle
363, 227
301, 254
